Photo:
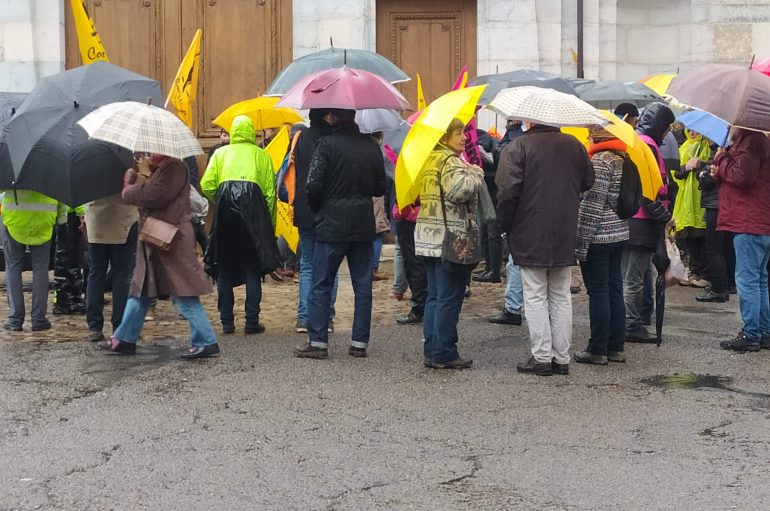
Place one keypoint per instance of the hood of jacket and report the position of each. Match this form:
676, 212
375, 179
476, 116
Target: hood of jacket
654, 121
242, 131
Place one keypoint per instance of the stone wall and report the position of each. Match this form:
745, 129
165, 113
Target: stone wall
31, 42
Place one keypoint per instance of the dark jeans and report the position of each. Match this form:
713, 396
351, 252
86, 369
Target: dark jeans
696, 250
493, 246
446, 291
326, 262
416, 276
226, 278
604, 283
120, 258
715, 253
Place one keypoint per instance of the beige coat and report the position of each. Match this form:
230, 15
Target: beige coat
109, 220
381, 223
177, 272
462, 183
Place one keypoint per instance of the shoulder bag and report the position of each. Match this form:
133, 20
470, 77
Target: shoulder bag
459, 252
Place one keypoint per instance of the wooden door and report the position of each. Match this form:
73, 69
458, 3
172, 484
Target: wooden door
435, 38
245, 44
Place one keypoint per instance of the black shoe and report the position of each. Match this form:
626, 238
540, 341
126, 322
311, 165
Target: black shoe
741, 344
616, 356
647, 321
45, 325
409, 319
558, 368
357, 352
487, 276
228, 329
506, 318
640, 335
764, 342
458, 363
732, 290
308, 351
12, 327
532, 366
711, 296
585, 357
254, 329
210, 350
121, 347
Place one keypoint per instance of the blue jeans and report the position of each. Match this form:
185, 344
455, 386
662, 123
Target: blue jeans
752, 252
121, 259
607, 311
326, 264
201, 333
226, 299
377, 247
446, 291
514, 290
307, 249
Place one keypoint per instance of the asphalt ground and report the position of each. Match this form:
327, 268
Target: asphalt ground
680, 426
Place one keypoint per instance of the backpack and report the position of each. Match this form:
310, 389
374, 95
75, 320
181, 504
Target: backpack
630, 189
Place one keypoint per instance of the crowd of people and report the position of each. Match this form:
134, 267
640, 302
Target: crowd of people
536, 199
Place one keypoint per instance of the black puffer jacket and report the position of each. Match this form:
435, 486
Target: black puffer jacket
303, 155
346, 172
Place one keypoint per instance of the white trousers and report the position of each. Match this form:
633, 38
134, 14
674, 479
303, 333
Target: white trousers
548, 307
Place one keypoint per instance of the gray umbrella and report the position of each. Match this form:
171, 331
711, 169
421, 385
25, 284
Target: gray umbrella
608, 94
46, 149
520, 78
9, 103
333, 58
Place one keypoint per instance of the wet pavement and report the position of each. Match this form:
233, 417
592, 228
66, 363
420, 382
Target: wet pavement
680, 426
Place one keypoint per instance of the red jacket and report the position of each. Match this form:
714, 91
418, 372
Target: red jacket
744, 194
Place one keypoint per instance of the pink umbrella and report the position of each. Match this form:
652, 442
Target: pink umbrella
344, 87
763, 66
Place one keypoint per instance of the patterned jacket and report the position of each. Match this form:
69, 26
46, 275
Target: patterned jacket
462, 183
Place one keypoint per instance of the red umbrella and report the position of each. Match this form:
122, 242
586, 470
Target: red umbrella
344, 87
763, 66
737, 94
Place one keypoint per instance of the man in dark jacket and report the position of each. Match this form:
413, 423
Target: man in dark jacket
346, 172
743, 171
537, 171
647, 227
303, 216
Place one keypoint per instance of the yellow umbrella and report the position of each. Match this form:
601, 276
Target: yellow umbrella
262, 112
639, 152
425, 133
658, 83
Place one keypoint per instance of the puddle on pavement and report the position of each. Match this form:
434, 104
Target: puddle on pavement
699, 381
111, 367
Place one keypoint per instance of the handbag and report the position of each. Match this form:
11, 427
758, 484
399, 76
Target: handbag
158, 233
459, 252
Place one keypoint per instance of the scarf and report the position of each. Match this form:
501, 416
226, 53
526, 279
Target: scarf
607, 145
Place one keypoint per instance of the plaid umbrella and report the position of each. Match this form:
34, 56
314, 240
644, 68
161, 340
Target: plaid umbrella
546, 106
142, 128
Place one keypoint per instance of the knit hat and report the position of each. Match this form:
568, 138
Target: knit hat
599, 134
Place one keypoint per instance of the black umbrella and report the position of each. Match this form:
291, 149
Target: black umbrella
519, 78
9, 103
51, 154
609, 94
395, 140
332, 58
661, 261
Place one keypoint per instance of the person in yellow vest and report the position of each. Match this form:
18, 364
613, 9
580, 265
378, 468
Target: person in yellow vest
28, 221
240, 180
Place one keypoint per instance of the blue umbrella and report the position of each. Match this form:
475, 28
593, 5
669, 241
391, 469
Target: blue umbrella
708, 125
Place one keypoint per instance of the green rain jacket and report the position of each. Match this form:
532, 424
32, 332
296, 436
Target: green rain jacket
241, 160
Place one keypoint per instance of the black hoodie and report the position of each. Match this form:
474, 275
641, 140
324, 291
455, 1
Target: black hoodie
654, 121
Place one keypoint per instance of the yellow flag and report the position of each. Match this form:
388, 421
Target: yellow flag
185, 85
284, 214
91, 48
420, 94
278, 147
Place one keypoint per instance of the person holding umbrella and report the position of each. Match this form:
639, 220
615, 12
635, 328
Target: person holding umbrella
743, 171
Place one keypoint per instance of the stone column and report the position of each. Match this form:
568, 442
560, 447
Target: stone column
350, 23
